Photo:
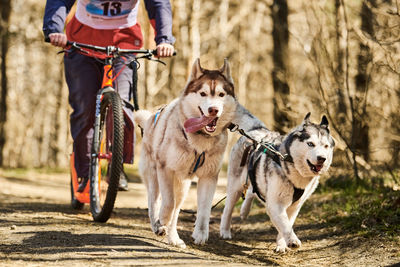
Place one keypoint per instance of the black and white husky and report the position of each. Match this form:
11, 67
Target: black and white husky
283, 185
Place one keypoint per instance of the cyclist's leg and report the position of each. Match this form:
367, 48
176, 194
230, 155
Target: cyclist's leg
83, 75
123, 85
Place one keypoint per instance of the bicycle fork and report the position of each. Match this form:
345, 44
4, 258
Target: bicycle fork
95, 151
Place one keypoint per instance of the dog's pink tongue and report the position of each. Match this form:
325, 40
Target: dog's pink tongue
194, 124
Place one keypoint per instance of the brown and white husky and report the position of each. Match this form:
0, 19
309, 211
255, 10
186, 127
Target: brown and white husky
186, 138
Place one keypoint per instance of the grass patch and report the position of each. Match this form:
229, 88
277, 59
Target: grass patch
366, 207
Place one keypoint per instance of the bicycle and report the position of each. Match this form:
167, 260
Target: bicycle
107, 152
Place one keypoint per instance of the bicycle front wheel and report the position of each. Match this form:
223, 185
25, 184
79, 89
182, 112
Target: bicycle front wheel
107, 157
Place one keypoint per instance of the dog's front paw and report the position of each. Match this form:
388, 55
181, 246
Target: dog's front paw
177, 242
225, 234
294, 242
159, 229
200, 237
281, 249
281, 246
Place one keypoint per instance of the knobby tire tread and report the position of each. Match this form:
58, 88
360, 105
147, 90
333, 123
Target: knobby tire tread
112, 99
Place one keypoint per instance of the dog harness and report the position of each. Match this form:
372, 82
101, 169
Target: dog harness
199, 158
198, 162
254, 153
156, 116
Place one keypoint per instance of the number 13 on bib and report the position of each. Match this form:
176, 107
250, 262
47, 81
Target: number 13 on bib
100, 14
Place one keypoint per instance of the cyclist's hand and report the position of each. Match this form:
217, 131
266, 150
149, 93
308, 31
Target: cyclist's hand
58, 39
165, 50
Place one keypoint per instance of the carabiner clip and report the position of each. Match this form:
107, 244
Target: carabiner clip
234, 128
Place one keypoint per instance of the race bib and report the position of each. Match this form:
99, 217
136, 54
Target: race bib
100, 14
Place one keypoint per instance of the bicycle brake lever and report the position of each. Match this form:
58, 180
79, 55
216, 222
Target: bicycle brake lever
73, 47
150, 57
157, 60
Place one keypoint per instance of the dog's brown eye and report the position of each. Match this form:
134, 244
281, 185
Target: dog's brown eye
310, 144
326, 146
221, 95
203, 94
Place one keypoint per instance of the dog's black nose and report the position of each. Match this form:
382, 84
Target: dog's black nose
212, 111
321, 159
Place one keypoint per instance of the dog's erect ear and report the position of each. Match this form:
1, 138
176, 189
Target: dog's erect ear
197, 70
226, 71
324, 121
307, 118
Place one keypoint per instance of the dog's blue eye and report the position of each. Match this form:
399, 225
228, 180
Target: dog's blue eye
310, 144
203, 94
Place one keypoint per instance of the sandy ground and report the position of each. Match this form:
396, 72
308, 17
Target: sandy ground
38, 228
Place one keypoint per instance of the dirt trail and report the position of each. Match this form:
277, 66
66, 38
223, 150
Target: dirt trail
38, 227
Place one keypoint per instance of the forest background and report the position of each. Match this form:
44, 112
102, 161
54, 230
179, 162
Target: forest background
340, 58
334, 57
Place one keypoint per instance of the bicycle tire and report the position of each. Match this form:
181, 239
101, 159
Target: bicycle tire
107, 158
75, 204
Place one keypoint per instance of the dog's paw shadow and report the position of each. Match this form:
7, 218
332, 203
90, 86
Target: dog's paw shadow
230, 249
215, 244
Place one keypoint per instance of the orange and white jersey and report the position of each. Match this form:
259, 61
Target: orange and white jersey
107, 15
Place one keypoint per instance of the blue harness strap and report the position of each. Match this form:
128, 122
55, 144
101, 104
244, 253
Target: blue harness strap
158, 113
199, 161
156, 116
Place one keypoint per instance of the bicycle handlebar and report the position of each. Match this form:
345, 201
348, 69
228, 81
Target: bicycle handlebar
111, 49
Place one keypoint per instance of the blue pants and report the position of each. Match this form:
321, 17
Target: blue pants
84, 77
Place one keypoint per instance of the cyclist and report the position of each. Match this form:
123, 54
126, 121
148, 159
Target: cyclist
101, 23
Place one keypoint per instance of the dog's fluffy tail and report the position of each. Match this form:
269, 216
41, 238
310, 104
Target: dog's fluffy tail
141, 116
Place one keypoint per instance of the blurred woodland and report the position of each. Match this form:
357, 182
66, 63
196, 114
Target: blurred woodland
334, 57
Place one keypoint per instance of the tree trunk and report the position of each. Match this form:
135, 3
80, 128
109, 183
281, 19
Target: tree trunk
280, 35
341, 40
55, 131
4, 21
360, 135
